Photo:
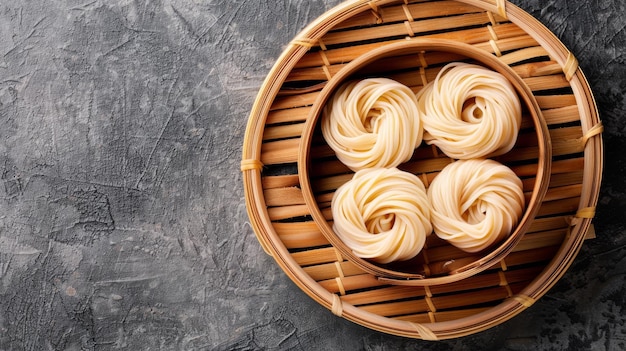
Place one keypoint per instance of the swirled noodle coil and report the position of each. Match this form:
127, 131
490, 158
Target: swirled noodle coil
373, 122
469, 111
475, 203
382, 214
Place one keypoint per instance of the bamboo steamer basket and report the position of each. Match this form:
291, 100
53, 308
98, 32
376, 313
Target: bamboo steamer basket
282, 220
408, 62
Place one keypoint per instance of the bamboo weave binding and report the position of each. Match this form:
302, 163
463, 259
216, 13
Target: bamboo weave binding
337, 306
596, 130
494, 40
524, 300
305, 42
424, 332
325, 60
588, 212
429, 300
374, 11
422, 61
570, 67
507, 281
501, 5
492, 18
407, 12
251, 165
342, 289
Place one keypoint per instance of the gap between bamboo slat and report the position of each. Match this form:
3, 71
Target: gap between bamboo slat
525, 70
443, 316
321, 263
418, 11
481, 281
449, 24
490, 295
335, 167
509, 36
299, 235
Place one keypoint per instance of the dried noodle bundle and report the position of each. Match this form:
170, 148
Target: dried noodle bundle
371, 123
469, 111
382, 214
475, 203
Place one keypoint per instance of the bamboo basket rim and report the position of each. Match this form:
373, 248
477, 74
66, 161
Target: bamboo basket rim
414, 46
252, 167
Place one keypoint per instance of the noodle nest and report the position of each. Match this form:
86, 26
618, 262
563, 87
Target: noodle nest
469, 111
475, 203
372, 123
382, 214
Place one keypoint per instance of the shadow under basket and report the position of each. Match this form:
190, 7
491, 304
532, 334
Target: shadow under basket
282, 207
416, 62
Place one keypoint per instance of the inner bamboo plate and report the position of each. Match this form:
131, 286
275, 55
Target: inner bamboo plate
414, 62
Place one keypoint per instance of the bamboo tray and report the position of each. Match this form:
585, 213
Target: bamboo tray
282, 220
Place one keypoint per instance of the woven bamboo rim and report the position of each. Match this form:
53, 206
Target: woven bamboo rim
416, 50
478, 302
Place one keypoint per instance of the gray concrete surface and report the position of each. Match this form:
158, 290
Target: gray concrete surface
122, 218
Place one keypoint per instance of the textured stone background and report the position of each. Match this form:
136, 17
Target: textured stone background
122, 218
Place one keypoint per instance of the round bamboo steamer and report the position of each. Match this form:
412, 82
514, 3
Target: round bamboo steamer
408, 62
282, 219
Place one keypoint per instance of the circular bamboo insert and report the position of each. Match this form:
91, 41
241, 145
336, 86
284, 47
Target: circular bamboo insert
411, 62
283, 222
